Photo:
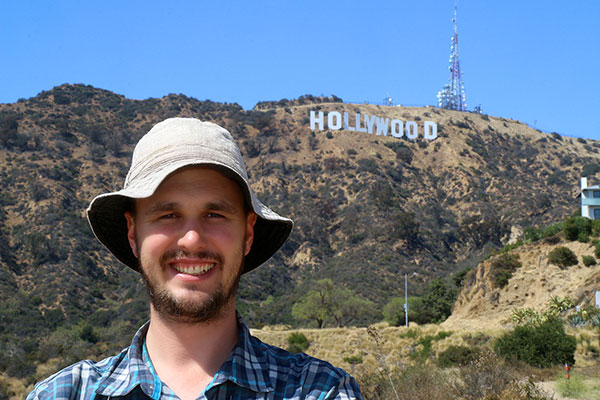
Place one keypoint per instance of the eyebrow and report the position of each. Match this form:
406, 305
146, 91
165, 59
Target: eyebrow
221, 206
161, 206
171, 205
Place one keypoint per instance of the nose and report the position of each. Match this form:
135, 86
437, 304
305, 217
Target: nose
192, 237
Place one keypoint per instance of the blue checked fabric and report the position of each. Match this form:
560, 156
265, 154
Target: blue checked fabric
253, 370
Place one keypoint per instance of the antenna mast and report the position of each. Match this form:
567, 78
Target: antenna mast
452, 96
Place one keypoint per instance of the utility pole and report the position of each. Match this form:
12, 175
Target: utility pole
406, 300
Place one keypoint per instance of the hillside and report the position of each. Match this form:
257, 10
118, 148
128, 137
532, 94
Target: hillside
368, 208
482, 305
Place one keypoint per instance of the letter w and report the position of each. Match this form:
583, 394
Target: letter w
382, 126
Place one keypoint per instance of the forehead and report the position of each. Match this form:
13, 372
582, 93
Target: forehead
200, 183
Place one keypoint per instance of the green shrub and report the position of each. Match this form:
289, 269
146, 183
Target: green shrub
512, 246
393, 311
590, 169
596, 248
588, 260
542, 345
596, 227
455, 356
353, 359
502, 268
459, 277
409, 334
4, 395
87, 333
427, 342
577, 228
583, 237
571, 231
552, 239
562, 257
297, 343
438, 300
573, 388
532, 234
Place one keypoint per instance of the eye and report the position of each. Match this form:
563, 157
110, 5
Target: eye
214, 215
168, 216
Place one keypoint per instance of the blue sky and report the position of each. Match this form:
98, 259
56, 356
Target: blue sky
535, 61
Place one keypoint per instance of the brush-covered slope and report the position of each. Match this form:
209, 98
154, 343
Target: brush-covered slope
367, 208
483, 304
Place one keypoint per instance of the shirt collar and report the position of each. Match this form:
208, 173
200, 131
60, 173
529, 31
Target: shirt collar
129, 370
247, 365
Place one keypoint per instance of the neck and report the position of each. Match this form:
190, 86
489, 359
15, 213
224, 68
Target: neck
189, 355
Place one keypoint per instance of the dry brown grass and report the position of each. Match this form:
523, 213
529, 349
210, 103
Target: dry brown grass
397, 349
396, 353
16, 389
397, 344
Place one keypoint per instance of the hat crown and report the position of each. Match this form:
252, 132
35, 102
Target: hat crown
177, 139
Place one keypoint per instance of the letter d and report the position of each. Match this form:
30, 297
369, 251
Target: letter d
430, 130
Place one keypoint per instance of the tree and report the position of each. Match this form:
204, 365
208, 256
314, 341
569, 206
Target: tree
348, 307
326, 302
393, 312
311, 307
439, 300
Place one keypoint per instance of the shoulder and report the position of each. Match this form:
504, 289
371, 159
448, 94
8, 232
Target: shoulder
313, 377
78, 381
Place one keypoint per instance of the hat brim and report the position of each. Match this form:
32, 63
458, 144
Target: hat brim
106, 216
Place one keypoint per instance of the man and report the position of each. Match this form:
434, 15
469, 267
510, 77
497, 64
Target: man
189, 222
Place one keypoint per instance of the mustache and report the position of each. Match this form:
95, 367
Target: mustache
175, 254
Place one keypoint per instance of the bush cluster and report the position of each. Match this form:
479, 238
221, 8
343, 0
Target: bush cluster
588, 260
578, 228
542, 345
533, 234
503, 267
456, 356
596, 244
562, 257
297, 343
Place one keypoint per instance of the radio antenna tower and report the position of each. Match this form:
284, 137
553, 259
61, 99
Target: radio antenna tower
452, 96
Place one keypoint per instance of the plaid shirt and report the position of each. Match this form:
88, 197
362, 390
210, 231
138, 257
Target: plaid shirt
253, 370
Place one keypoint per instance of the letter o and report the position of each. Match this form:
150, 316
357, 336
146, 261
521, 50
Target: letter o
397, 128
412, 130
337, 125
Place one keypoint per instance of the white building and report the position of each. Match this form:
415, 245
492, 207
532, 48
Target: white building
590, 200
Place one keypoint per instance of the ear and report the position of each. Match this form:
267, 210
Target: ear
250, 221
131, 233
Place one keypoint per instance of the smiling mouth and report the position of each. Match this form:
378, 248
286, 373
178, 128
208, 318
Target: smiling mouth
198, 269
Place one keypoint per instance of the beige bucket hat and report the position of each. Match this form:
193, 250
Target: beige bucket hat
170, 145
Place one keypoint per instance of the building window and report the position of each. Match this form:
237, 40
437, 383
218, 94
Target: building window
596, 213
597, 194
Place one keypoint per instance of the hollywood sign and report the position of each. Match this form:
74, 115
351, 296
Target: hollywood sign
371, 124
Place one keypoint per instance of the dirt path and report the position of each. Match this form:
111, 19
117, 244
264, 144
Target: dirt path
549, 388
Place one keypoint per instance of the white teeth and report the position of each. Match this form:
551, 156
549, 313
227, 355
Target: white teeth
193, 269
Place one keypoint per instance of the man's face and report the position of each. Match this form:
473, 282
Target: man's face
191, 237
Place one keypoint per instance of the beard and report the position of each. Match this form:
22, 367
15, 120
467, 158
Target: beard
191, 311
